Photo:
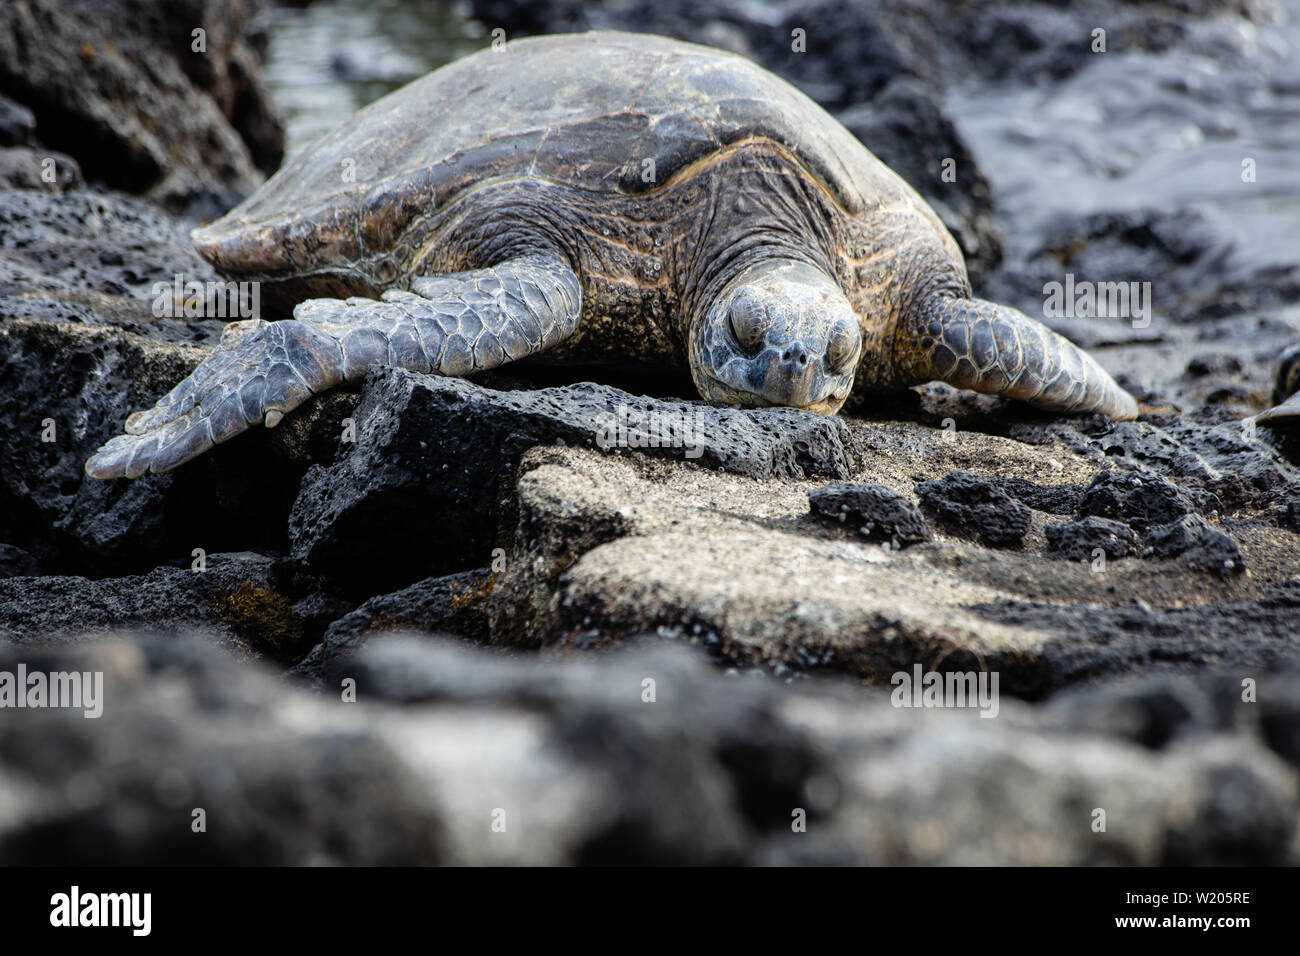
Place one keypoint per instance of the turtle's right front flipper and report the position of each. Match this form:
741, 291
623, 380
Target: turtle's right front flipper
986, 347
450, 324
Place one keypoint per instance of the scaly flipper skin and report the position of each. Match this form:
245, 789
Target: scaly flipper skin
971, 343
450, 324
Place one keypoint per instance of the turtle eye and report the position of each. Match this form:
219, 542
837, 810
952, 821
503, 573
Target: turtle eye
748, 321
842, 347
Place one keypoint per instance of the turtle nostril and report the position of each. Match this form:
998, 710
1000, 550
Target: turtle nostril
796, 354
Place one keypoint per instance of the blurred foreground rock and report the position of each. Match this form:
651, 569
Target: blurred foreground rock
454, 756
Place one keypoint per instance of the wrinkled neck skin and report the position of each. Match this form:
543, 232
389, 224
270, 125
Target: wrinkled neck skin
758, 208
898, 265
762, 260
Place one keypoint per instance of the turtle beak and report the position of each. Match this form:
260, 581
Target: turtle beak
779, 395
792, 377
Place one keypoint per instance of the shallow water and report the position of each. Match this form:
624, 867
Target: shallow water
327, 60
1167, 131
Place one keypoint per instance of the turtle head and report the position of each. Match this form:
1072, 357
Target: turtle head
779, 333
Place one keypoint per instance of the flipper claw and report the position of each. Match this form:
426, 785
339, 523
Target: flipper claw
261, 371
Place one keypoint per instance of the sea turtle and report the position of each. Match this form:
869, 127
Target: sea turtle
1286, 391
607, 198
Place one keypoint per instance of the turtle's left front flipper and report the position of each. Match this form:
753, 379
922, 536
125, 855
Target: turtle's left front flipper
971, 343
450, 324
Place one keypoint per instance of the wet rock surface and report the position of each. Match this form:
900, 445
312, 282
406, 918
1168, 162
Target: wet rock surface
17, 123
434, 457
88, 379
142, 103
454, 605
22, 167
94, 258
233, 597
495, 568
